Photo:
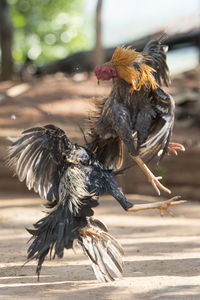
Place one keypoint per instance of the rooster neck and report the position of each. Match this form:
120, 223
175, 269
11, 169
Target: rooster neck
131, 67
121, 91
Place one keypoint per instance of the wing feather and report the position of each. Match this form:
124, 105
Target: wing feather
155, 51
37, 157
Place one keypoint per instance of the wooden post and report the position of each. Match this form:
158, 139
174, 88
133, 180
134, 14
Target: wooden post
5, 41
99, 51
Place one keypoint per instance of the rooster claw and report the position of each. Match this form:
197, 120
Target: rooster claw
156, 184
174, 147
164, 207
151, 178
90, 233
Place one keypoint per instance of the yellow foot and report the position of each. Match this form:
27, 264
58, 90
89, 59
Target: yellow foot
89, 232
163, 206
156, 183
174, 147
171, 202
151, 178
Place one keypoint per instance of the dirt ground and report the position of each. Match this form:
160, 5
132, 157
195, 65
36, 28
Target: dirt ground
162, 255
161, 260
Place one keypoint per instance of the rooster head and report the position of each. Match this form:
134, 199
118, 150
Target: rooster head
129, 65
105, 72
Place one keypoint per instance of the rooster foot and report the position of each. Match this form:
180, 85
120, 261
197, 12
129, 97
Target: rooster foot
151, 178
163, 206
156, 183
174, 147
89, 232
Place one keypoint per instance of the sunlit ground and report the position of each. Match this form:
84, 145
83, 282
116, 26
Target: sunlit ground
162, 255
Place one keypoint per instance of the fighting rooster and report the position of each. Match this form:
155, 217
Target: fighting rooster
137, 112
71, 179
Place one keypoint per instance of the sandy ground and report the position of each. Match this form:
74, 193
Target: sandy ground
162, 255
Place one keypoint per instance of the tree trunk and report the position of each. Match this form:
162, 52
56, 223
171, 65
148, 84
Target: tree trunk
99, 51
5, 41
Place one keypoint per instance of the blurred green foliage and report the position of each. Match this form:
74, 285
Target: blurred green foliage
162, 171
46, 30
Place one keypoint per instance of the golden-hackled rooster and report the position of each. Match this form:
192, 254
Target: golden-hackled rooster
137, 112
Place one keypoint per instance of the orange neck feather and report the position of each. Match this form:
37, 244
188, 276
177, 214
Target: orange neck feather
123, 59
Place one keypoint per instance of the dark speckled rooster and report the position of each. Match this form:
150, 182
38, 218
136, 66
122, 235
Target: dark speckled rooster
137, 112
71, 178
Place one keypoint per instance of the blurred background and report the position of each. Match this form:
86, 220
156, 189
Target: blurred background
48, 53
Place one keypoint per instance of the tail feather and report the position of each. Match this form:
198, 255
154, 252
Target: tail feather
59, 229
104, 252
53, 233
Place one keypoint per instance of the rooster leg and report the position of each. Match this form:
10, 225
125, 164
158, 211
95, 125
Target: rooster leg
151, 178
174, 147
89, 232
163, 206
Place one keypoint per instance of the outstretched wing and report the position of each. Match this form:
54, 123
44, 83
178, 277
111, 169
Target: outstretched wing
155, 51
37, 157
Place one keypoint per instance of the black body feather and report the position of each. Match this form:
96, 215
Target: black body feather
156, 51
142, 120
71, 179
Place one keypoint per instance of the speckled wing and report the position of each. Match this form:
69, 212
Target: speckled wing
162, 127
37, 158
155, 51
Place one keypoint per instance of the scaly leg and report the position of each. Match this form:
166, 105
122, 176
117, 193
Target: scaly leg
151, 178
174, 147
89, 232
161, 205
